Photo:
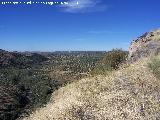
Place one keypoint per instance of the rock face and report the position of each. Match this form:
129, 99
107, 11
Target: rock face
146, 45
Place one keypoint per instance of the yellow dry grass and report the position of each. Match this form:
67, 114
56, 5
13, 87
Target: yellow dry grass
131, 93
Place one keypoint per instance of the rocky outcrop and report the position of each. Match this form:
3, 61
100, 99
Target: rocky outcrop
146, 45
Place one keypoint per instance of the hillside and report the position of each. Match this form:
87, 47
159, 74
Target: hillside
129, 93
27, 79
132, 92
21, 86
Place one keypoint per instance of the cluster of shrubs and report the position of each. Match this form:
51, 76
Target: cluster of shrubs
111, 61
72, 66
23, 86
155, 66
22, 90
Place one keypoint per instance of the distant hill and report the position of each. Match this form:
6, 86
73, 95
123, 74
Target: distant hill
20, 60
21, 86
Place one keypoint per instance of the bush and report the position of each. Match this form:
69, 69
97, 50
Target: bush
155, 66
111, 61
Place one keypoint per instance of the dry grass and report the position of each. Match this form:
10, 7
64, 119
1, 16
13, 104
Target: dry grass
131, 93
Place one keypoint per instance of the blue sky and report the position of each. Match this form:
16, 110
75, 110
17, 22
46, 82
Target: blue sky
90, 25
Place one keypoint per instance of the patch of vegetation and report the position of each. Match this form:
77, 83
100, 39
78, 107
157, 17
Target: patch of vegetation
27, 80
22, 90
155, 66
72, 66
111, 61
23, 86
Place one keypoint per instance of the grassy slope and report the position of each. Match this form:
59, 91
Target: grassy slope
131, 93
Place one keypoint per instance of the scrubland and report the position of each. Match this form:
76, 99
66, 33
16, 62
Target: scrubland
131, 92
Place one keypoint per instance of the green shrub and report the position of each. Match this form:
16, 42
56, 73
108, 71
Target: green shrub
111, 61
113, 58
155, 66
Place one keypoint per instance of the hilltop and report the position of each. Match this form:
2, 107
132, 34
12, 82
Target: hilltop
20, 60
146, 45
130, 92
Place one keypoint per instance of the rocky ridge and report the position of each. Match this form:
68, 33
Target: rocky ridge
146, 45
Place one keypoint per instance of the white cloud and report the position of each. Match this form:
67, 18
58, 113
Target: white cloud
84, 6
